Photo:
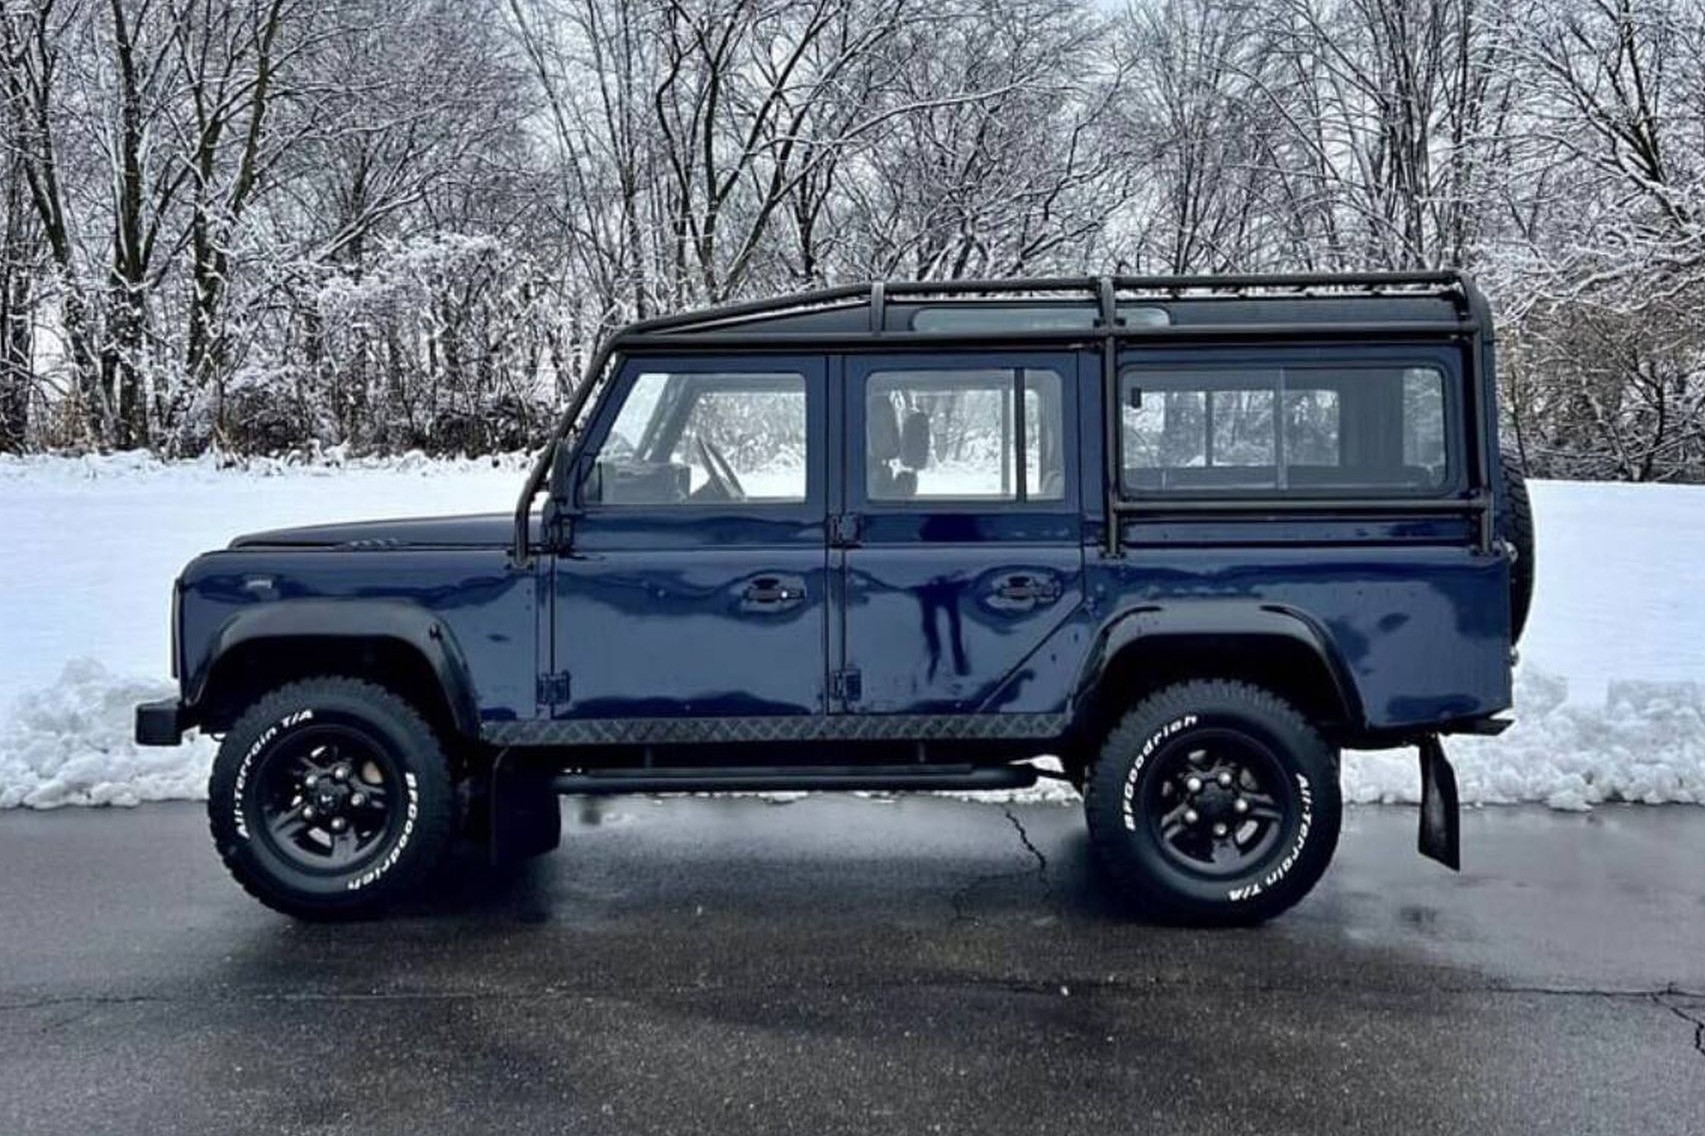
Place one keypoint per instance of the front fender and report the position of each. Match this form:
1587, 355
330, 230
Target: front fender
1154, 625
353, 619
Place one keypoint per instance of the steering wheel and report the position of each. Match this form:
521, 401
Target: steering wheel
720, 471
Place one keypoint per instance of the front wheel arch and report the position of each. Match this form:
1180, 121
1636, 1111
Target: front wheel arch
402, 648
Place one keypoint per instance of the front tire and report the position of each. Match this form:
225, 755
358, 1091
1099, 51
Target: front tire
330, 798
1214, 802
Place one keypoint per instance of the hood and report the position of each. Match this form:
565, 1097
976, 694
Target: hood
482, 530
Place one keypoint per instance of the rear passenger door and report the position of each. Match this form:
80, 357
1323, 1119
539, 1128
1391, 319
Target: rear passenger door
958, 536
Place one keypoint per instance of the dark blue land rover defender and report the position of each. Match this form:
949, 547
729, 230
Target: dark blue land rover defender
1193, 536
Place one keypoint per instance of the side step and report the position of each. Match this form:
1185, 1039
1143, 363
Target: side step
604, 782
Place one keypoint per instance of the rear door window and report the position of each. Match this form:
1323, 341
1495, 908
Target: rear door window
1297, 430
964, 434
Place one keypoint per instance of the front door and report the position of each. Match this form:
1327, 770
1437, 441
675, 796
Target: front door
694, 582
961, 539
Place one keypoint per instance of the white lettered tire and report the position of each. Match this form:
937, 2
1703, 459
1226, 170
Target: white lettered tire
1214, 802
331, 797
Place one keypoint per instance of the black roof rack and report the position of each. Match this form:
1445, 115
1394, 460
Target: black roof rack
866, 307
1242, 308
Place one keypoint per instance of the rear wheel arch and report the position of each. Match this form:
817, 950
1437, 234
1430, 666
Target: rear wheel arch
1270, 646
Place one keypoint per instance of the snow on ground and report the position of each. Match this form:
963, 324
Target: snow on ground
1610, 696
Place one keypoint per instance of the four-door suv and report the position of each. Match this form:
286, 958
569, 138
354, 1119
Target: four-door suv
1193, 536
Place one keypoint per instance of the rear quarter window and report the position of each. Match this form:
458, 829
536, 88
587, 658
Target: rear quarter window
1312, 430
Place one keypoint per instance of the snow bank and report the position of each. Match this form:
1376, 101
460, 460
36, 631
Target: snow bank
1645, 742
71, 745
1610, 704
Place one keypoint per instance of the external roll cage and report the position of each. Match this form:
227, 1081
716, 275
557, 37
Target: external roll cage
766, 325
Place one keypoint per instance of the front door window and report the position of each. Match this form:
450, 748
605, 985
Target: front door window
704, 438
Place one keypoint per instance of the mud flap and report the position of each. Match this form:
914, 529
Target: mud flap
1440, 836
524, 815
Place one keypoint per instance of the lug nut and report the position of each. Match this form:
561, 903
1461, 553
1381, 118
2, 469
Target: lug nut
1225, 779
341, 773
357, 799
1193, 784
1241, 805
339, 824
307, 812
1190, 816
311, 780
1219, 828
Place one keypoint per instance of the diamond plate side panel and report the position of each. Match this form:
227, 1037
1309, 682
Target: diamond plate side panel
814, 728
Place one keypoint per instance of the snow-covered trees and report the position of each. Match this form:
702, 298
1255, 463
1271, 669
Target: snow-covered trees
260, 224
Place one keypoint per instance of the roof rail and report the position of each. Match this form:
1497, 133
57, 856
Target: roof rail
877, 294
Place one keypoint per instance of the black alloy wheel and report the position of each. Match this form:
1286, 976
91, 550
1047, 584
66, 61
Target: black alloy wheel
331, 797
1218, 802
1213, 802
325, 800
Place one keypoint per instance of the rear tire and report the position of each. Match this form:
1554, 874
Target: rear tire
330, 798
1214, 802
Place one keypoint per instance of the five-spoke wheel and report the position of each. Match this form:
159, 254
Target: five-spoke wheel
1214, 801
325, 798
331, 796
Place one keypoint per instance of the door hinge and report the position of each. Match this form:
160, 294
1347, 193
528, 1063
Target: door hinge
847, 686
844, 529
553, 688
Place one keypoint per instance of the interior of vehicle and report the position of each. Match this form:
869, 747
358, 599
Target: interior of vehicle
941, 433
704, 438
1339, 428
964, 434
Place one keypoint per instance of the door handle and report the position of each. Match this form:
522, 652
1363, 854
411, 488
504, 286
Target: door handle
1027, 589
773, 593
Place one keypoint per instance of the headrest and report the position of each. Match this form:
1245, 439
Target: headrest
882, 428
914, 440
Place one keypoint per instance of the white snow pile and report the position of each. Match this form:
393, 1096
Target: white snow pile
1610, 703
1645, 743
71, 745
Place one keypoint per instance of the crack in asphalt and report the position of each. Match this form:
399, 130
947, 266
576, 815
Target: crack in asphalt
1024, 839
1697, 1023
963, 893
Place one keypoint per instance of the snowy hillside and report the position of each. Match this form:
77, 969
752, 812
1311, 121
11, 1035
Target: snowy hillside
1611, 694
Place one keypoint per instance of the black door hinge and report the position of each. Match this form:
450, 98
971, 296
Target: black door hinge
844, 529
847, 686
553, 689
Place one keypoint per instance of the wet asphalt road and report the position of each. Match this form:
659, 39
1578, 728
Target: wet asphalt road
846, 965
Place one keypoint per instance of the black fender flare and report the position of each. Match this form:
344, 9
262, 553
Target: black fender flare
407, 624
1218, 618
